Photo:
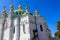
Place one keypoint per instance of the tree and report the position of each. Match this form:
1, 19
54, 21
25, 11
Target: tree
58, 25
57, 34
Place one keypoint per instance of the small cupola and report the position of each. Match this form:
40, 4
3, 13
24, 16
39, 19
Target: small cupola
20, 7
4, 12
11, 6
36, 13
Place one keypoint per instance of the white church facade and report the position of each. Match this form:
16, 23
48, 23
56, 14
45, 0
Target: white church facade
22, 25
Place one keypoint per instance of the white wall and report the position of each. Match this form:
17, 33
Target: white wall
17, 29
24, 36
6, 34
42, 34
29, 22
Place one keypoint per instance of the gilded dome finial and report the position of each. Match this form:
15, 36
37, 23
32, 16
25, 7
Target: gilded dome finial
20, 7
4, 11
36, 13
11, 6
26, 5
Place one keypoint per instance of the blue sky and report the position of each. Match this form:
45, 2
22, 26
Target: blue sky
50, 9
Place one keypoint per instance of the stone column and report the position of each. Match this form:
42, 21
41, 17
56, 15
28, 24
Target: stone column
11, 30
2, 28
17, 29
1, 32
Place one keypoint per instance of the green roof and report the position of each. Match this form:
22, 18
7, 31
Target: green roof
21, 12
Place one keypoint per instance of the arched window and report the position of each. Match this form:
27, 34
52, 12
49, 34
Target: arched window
16, 13
41, 28
19, 13
23, 28
14, 30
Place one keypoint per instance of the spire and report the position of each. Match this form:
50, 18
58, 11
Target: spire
26, 5
11, 6
11, 2
11, 9
4, 11
26, 9
20, 6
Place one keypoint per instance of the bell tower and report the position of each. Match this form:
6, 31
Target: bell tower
41, 27
3, 21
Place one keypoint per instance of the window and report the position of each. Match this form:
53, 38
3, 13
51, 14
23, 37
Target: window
16, 13
41, 28
19, 13
23, 28
49, 36
14, 30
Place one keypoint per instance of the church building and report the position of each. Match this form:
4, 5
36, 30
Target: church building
22, 25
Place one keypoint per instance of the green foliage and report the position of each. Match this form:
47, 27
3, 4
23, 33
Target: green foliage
57, 34
58, 25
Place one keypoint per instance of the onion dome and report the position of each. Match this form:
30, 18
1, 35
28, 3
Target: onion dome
20, 7
36, 13
4, 12
11, 6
